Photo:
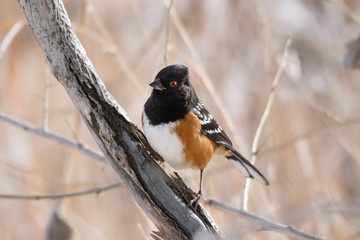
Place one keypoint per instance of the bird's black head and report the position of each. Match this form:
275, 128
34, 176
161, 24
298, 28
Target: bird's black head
172, 96
173, 78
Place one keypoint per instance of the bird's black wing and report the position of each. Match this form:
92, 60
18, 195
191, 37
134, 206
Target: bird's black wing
209, 127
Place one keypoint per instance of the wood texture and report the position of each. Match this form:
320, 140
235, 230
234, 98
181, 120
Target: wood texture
163, 199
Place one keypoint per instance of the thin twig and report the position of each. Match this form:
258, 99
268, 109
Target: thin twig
345, 141
310, 133
73, 131
201, 72
10, 36
265, 116
112, 47
266, 34
347, 10
167, 33
61, 195
292, 141
135, 5
265, 224
41, 132
46, 100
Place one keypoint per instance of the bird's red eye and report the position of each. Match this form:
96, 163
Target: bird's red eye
173, 84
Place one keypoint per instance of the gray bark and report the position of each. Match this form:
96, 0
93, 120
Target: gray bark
163, 199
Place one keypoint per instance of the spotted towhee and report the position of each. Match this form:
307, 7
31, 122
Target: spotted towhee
181, 129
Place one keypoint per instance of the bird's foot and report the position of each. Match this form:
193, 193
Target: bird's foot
195, 201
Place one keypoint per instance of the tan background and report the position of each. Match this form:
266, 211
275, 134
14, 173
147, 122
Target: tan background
308, 150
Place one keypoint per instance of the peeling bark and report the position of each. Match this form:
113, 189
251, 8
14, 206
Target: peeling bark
124, 146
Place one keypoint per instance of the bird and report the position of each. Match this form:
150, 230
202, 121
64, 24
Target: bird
182, 131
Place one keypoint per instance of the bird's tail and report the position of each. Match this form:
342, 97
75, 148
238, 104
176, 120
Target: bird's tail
245, 167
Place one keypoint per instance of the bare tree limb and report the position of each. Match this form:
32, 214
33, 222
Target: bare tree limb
264, 117
123, 144
199, 69
347, 10
167, 33
45, 133
311, 132
110, 43
61, 195
45, 117
10, 36
265, 224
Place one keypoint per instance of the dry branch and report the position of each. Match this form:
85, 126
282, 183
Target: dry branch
264, 117
166, 52
265, 224
121, 142
49, 135
96, 190
310, 133
10, 36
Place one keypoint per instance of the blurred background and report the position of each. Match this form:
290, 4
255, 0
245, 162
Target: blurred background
309, 148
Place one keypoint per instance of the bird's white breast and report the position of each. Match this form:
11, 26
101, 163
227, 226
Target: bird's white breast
164, 141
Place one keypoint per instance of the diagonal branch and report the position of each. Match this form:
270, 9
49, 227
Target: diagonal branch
10, 36
96, 190
45, 133
167, 33
122, 143
311, 132
265, 224
264, 117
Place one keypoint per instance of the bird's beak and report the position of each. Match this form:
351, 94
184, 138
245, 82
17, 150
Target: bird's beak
156, 84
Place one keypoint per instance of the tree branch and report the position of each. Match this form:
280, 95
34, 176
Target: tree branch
122, 143
10, 36
167, 33
264, 117
265, 224
45, 133
311, 132
96, 190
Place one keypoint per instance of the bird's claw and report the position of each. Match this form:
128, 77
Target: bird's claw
195, 201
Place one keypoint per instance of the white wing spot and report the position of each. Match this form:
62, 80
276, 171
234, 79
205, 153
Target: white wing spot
218, 130
206, 119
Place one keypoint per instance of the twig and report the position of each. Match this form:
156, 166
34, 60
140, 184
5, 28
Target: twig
73, 131
346, 142
10, 36
167, 31
310, 133
61, 195
292, 141
265, 224
347, 10
112, 48
135, 4
265, 116
46, 100
151, 37
266, 34
41, 132
200, 71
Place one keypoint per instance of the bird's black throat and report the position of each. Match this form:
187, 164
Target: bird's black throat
165, 107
